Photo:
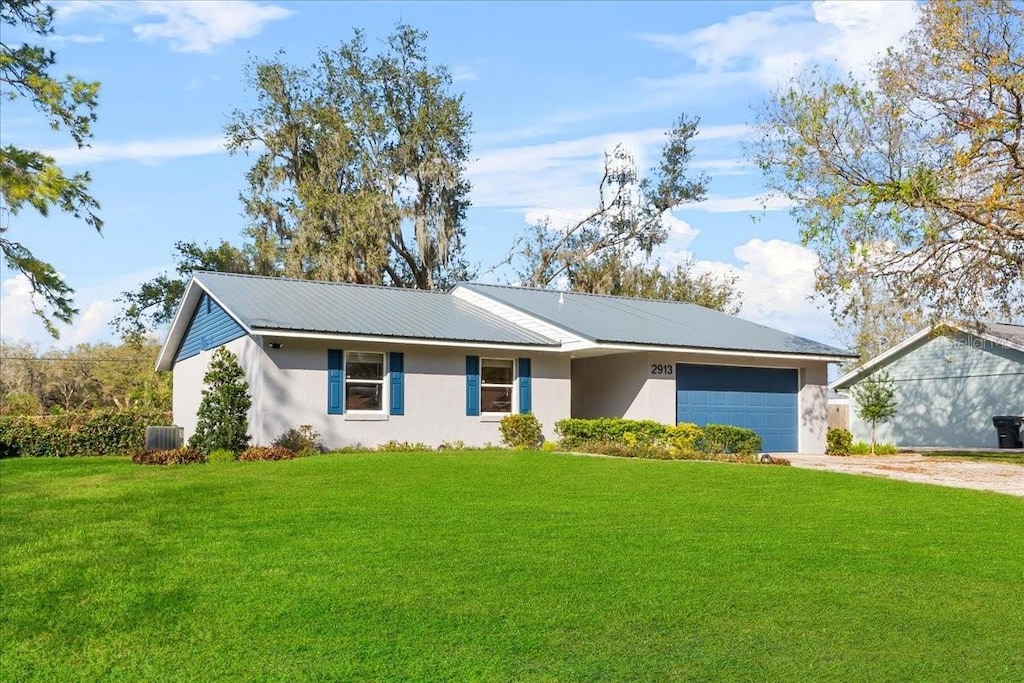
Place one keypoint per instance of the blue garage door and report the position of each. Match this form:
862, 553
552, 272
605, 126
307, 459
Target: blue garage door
762, 399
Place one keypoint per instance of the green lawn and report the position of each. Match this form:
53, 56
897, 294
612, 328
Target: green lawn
501, 566
989, 456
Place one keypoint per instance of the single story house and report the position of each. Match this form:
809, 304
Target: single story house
950, 381
365, 365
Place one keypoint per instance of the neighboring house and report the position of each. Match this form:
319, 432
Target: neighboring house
950, 381
365, 365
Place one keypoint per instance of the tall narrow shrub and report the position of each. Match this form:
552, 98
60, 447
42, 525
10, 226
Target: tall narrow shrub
223, 413
876, 401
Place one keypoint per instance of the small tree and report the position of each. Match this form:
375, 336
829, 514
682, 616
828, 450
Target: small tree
223, 413
876, 401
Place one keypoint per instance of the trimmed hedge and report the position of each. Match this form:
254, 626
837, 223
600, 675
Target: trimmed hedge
99, 432
650, 439
729, 439
575, 431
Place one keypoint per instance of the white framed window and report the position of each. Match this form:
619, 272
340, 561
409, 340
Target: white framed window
364, 381
497, 377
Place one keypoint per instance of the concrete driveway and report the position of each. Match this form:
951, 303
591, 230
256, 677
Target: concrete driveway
967, 474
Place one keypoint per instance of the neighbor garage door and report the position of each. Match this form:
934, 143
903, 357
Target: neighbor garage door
762, 399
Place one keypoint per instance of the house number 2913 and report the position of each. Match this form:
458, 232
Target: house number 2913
659, 369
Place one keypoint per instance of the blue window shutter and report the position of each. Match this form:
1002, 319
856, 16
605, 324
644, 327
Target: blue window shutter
472, 385
335, 382
525, 388
396, 366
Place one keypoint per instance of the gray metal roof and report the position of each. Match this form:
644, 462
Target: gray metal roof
623, 320
335, 308
1011, 333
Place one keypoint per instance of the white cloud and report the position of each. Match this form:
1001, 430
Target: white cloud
187, 26
91, 325
563, 175
16, 300
680, 232
464, 72
146, 151
776, 279
197, 82
750, 203
78, 38
770, 46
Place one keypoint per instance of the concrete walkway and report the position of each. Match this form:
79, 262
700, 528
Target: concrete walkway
968, 474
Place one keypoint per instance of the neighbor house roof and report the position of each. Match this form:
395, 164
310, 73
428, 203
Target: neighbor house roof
645, 322
1004, 334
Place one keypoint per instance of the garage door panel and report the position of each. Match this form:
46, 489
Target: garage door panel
762, 399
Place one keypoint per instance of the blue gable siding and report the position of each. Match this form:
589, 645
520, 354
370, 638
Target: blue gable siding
209, 328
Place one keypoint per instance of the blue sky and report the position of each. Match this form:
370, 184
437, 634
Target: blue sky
551, 86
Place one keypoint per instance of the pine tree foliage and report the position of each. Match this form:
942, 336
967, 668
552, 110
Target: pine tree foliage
30, 178
224, 410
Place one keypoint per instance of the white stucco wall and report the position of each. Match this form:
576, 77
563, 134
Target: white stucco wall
947, 391
188, 382
289, 388
622, 385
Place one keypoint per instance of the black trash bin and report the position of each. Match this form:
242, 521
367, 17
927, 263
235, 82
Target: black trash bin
1008, 429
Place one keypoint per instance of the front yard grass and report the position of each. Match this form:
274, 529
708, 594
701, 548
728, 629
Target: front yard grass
1016, 458
501, 566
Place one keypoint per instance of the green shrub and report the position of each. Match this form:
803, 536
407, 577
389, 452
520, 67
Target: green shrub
254, 453
19, 403
728, 439
838, 441
575, 431
304, 440
549, 447
683, 437
864, 448
222, 455
458, 445
177, 456
222, 420
521, 431
99, 432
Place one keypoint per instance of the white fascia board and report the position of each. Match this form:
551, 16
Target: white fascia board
179, 324
883, 358
176, 332
722, 352
327, 336
852, 377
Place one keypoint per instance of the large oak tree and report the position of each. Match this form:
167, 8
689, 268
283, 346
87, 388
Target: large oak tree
911, 185
359, 172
